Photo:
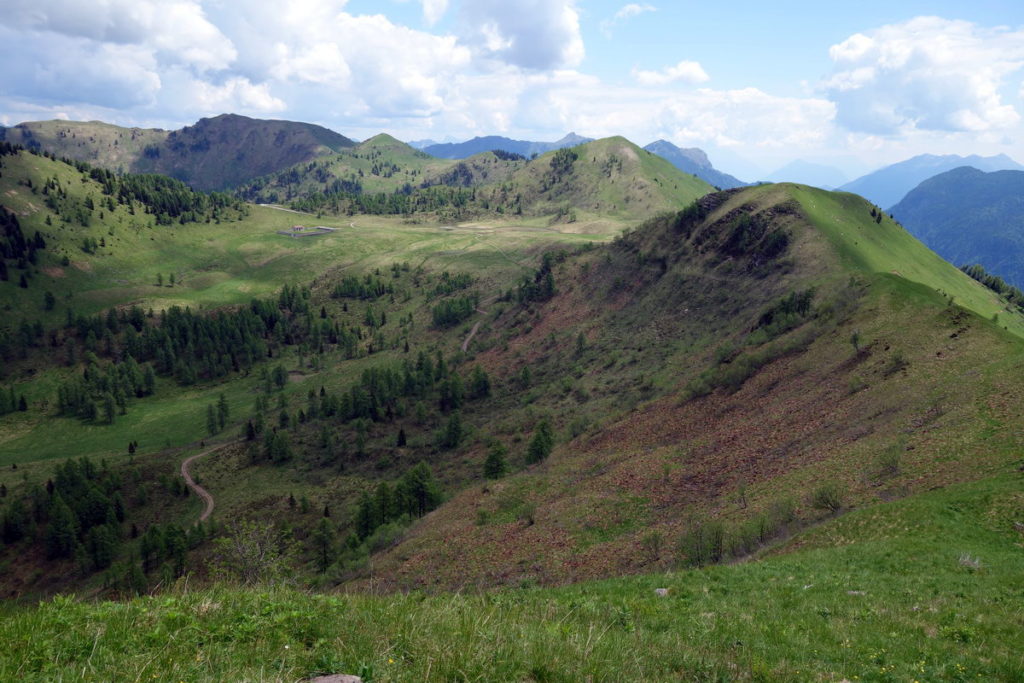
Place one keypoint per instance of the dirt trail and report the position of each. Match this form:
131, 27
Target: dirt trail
476, 326
200, 491
465, 344
282, 208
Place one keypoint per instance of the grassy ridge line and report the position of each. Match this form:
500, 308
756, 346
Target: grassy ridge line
861, 243
922, 589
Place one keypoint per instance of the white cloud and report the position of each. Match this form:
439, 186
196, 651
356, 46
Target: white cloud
685, 71
926, 74
534, 34
236, 94
625, 12
179, 29
433, 10
75, 70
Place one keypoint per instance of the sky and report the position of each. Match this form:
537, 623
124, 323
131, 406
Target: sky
855, 85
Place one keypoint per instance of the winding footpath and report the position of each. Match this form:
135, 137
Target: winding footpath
199, 490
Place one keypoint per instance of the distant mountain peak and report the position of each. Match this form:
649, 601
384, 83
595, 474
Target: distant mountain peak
889, 184
694, 160
463, 150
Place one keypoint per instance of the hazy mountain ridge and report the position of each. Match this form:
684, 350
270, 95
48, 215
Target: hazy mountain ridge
971, 216
694, 160
887, 186
527, 148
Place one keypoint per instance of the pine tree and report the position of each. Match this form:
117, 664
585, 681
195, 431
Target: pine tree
62, 532
222, 411
495, 465
323, 538
211, 420
541, 444
149, 380
452, 434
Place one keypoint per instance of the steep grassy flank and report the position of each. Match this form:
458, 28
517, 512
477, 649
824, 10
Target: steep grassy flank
926, 588
100, 144
131, 248
732, 416
868, 246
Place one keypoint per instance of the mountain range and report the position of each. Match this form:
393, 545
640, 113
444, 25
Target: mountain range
213, 154
527, 148
887, 186
695, 161
971, 217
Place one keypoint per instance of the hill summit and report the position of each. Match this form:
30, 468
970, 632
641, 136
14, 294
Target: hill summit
213, 154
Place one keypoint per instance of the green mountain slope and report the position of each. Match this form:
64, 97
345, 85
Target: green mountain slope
697, 392
379, 164
611, 176
101, 144
213, 154
774, 373
600, 180
968, 216
227, 150
101, 232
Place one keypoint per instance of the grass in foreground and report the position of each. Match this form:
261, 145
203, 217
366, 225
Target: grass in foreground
927, 588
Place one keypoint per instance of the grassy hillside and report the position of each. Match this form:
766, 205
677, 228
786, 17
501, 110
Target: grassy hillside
676, 404
379, 164
101, 144
611, 176
924, 588
605, 179
213, 154
228, 150
772, 373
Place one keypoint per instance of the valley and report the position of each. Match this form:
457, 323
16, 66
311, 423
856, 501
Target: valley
492, 395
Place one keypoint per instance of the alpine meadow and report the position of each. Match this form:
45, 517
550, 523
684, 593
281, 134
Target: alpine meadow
280, 403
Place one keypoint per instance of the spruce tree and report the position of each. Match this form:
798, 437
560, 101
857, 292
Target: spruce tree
211, 420
323, 538
542, 443
62, 532
495, 465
